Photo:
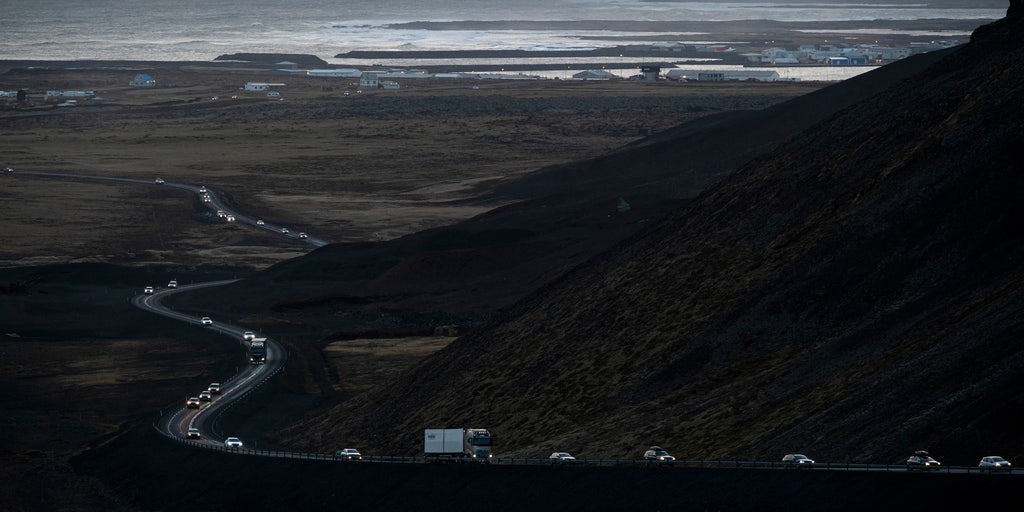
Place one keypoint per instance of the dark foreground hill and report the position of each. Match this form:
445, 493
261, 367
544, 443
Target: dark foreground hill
855, 294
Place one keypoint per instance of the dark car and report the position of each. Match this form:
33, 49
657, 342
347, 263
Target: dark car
797, 459
656, 455
921, 460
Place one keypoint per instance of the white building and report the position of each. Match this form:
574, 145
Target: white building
339, 73
738, 75
388, 84
369, 80
261, 86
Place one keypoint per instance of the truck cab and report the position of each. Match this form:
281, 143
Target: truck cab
258, 351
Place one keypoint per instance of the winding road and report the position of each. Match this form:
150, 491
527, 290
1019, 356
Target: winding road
177, 423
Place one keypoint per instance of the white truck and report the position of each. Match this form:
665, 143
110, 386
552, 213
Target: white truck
457, 445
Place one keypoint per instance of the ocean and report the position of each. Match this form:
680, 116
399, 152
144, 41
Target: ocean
201, 30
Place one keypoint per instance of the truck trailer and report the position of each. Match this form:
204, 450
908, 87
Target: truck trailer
457, 445
258, 351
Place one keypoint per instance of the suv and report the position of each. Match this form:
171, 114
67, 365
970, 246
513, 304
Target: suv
921, 460
172, 284
248, 336
205, 396
233, 442
348, 454
148, 290
192, 402
214, 388
656, 454
193, 433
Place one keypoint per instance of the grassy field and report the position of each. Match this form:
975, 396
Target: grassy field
365, 166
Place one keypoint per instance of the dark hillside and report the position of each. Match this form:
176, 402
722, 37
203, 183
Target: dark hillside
560, 217
856, 294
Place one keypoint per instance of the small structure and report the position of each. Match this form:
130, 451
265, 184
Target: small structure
750, 75
594, 74
369, 80
650, 73
261, 86
333, 73
388, 84
142, 80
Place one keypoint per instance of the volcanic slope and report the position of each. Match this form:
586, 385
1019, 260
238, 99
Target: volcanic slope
855, 295
558, 217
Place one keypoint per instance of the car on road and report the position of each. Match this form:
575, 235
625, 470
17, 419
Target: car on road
233, 442
192, 402
202, 189
221, 214
159, 181
206, 321
214, 388
207, 198
921, 460
193, 433
284, 230
994, 463
561, 458
8, 170
259, 222
348, 454
148, 290
248, 336
230, 218
797, 459
205, 395
302, 235
655, 454
172, 284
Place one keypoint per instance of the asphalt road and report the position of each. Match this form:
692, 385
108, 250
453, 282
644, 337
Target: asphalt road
216, 203
177, 423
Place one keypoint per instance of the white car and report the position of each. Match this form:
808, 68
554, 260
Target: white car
561, 458
193, 433
302, 235
259, 222
148, 290
994, 463
206, 320
192, 402
207, 198
8, 170
202, 189
248, 336
172, 284
205, 396
284, 230
221, 214
233, 442
348, 454
159, 181
230, 218
214, 388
